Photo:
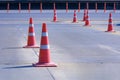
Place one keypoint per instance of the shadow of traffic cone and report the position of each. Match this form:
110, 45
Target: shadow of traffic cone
55, 16
110, 25
31, 42
85, 13
44, 53
87, 21
75, 17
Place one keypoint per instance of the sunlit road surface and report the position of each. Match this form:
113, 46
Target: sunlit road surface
82, 53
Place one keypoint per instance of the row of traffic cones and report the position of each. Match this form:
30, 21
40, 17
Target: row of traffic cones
75, 20
31, 34
31, 43
86, 17
44, 52
87, 20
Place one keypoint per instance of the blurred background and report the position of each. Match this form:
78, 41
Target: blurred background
60, 4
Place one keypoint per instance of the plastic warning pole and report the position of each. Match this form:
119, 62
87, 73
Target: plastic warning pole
54, 6
96, 9
19, 6
87, 5
79, 7
114, 6
105, 7
8, 7
29, 7
66, 6
41, 7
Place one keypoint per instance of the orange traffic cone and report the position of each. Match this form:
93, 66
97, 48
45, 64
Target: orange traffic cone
55, 16
110, 25
75, 17
87, 21
31, 42
44, 53
85, 14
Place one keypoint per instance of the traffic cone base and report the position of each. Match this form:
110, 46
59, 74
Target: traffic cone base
110, 31
55, 20
51, 64
33, 46
87, 25
75, 20
110, 28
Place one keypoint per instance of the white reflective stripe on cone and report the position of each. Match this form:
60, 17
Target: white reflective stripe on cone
109, 23
31, 34
31, 25
75, 16
44, 47
44, 33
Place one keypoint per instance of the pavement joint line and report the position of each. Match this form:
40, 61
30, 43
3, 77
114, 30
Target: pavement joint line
35, 52
51, 74
38, 56
26, 39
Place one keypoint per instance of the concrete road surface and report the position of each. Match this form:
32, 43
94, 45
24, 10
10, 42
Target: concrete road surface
82, 53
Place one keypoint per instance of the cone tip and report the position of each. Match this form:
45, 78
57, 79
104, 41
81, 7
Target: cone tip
110, 14
31, 21
44, 29
44, 24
